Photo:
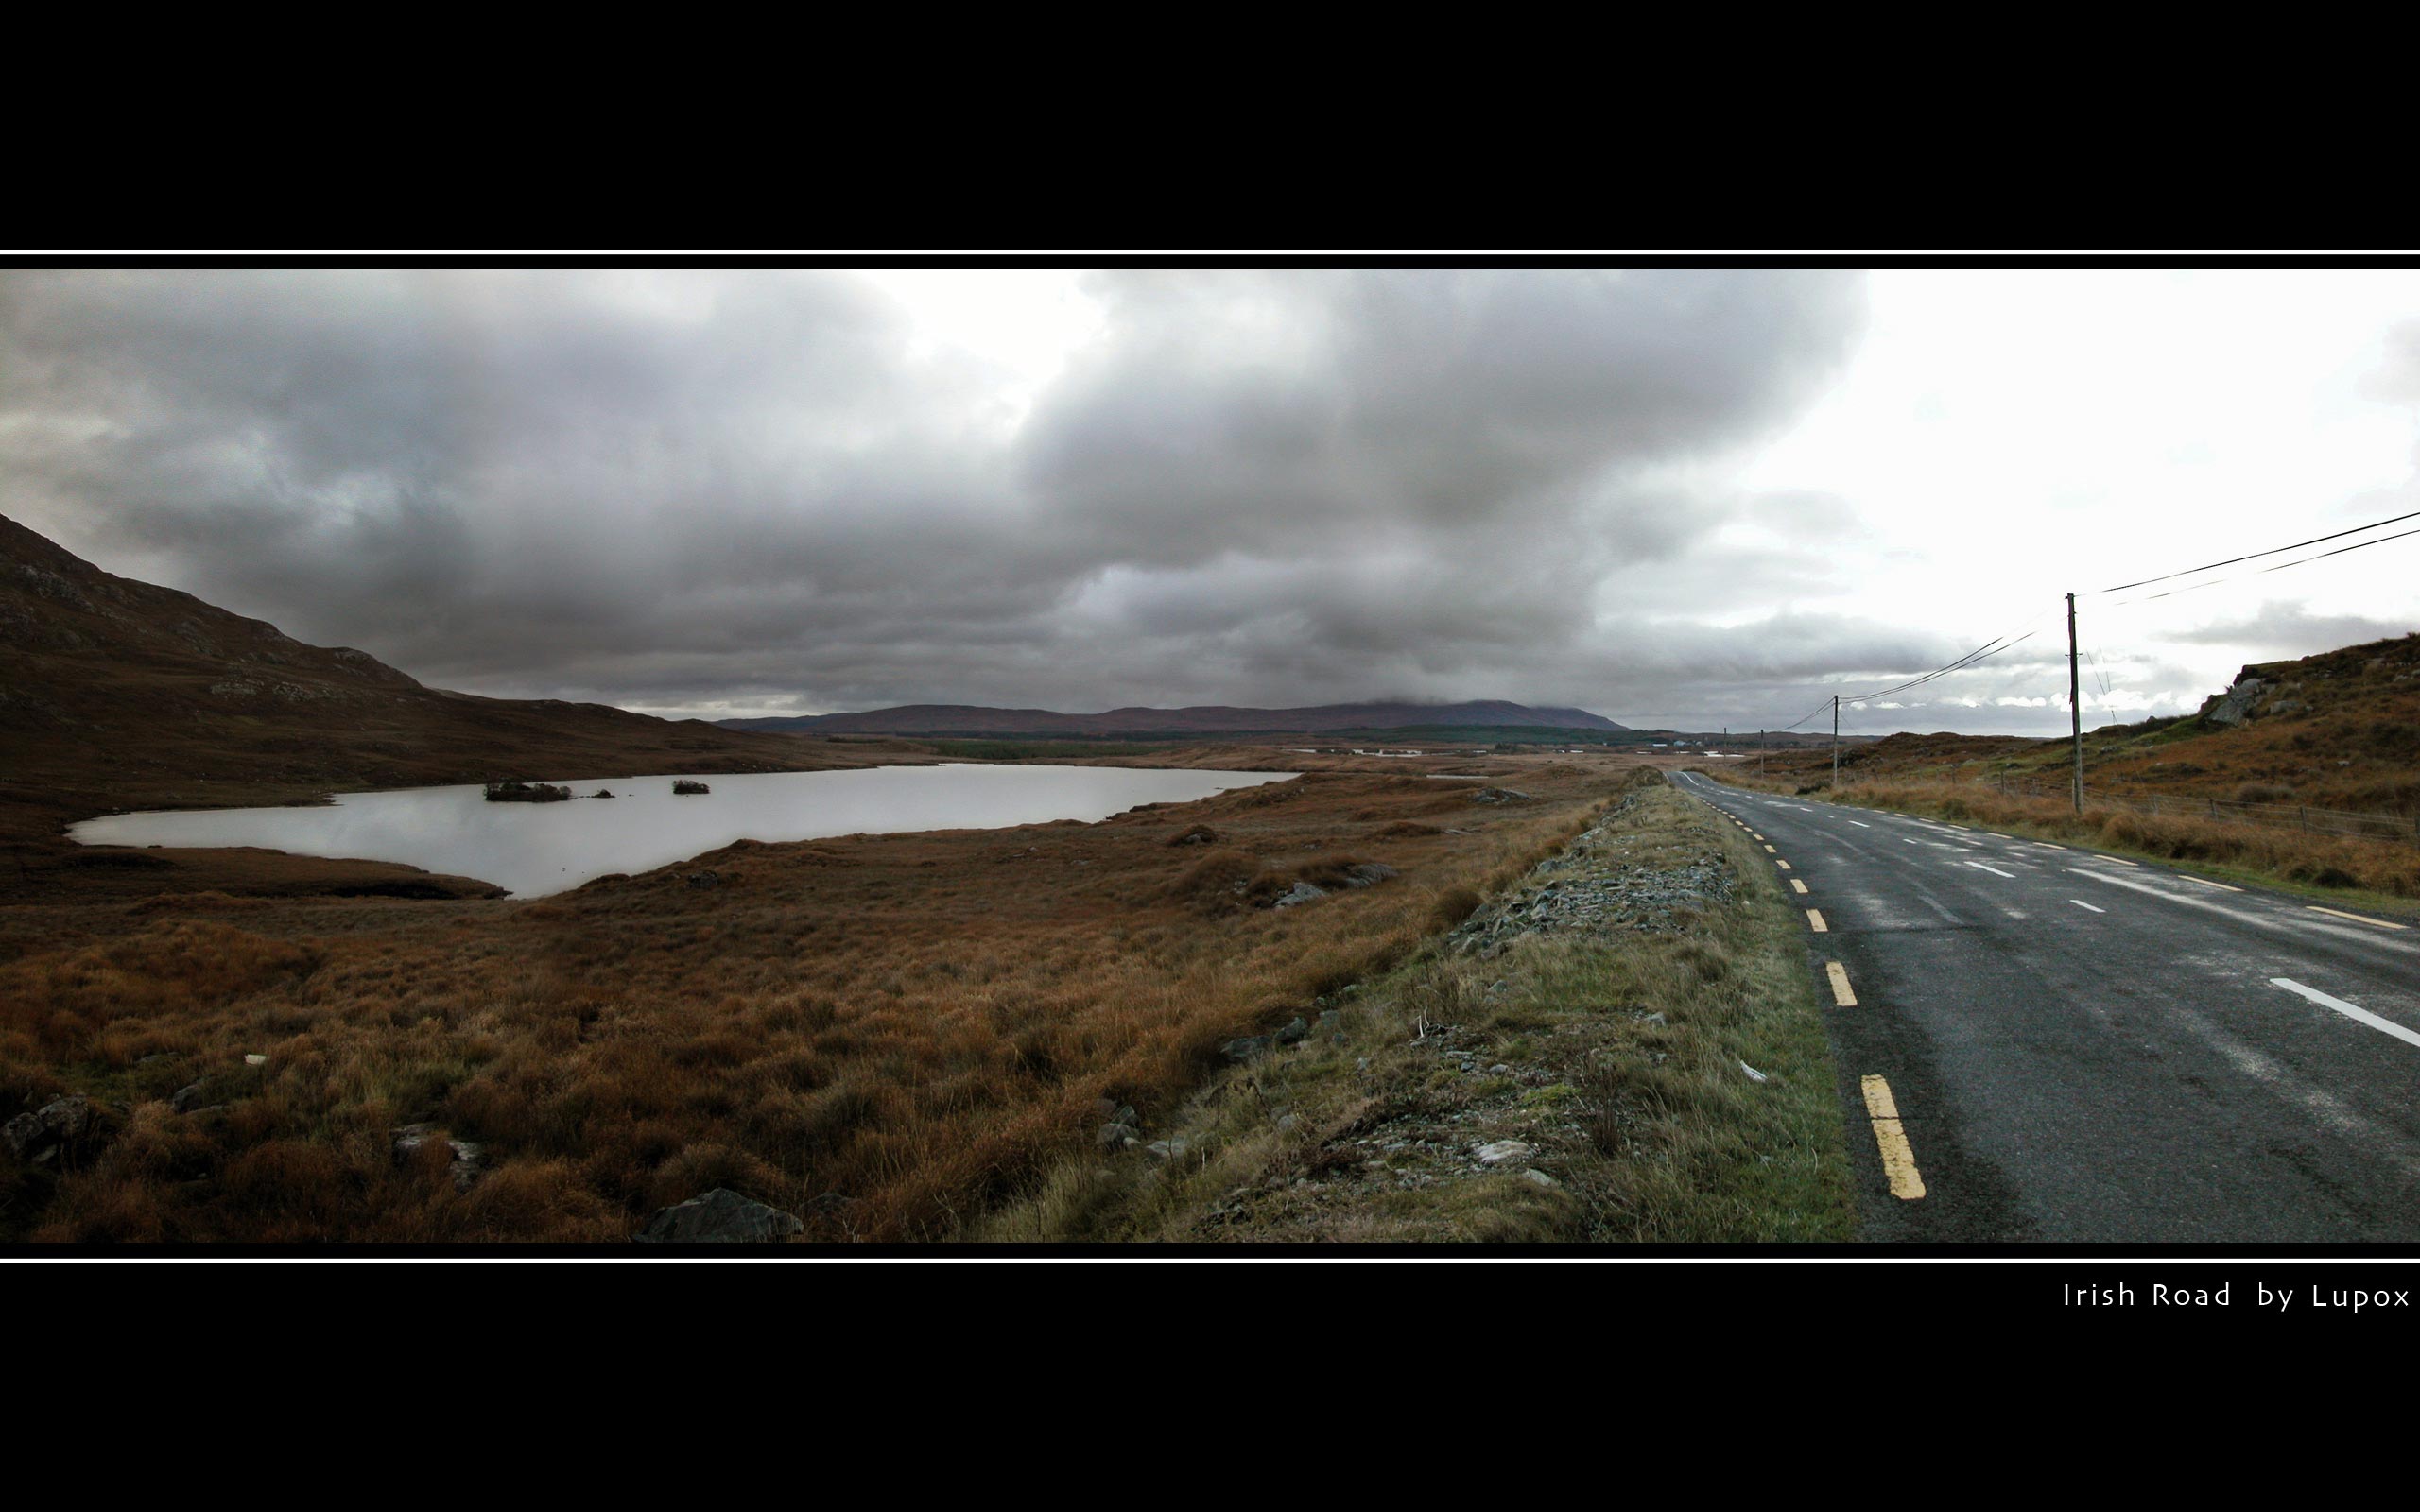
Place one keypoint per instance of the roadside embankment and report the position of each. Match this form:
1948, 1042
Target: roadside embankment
1622, 1044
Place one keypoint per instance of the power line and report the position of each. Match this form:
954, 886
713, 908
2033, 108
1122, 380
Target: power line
2195, 588
2144, 582
2342, 550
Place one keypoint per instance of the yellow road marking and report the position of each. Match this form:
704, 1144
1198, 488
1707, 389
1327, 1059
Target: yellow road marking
1754, 835
2047, 845
2207, 883
1779, 862
1891, 1138
1878, 1101
1841, 996
1815, 922
2355, 918
1996, 836
2120, 860
1797, 884
1768, 849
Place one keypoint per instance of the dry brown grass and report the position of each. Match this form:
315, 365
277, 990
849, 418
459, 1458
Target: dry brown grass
885, 1034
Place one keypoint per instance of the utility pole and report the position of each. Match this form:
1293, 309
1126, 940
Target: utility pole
2075, 701
1836, 736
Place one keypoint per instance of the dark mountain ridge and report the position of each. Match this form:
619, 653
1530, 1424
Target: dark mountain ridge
116, 693
1213, 719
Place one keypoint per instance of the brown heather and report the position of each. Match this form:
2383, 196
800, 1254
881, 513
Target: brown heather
888, 1034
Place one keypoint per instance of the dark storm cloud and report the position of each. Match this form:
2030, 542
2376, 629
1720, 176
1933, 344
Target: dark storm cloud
756, 491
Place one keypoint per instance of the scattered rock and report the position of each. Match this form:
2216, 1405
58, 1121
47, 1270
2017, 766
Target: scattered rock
467, 1163
721, 1216
1302, 892
1499, 795
1168, 1149
1117, 1136
1539, 1179
1198, 834
41, 1134
1251, 1048
705, 879
1504, 1151
1367, 874
185, 1098
1295, 1032
256, 1060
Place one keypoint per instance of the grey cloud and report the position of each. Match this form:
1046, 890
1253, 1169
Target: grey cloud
2282, 628
744, 490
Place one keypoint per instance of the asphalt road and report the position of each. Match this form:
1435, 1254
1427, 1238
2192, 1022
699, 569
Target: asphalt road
2081, 1050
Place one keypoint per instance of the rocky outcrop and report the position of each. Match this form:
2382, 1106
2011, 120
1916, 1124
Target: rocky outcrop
2233, 706
720, 1216
39, 1136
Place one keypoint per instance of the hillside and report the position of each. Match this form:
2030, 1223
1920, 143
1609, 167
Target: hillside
119, 693
968, 719
2338, 730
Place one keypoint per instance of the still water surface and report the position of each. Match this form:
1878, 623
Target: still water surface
535, 848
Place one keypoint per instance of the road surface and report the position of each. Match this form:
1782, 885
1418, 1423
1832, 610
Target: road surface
2048, 1043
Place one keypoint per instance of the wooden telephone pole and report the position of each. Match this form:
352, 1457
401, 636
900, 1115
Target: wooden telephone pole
1836, 736
2075, 701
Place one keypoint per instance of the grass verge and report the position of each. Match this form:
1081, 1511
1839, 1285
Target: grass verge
1589, 1080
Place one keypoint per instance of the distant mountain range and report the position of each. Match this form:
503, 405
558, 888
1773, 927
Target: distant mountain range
969, 719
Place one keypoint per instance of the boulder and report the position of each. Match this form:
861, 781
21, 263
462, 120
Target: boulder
187, 1097
1503, 1152
43, 1133
1251, 1048
1302, 892
1294, 1033
720, 1216
1117, 1136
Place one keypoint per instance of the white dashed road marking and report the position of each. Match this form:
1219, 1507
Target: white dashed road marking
2359, 1015
1994, 871
2080, 904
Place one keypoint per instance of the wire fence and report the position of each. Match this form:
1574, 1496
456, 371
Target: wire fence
2299, 816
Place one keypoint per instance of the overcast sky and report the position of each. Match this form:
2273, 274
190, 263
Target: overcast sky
1690, 499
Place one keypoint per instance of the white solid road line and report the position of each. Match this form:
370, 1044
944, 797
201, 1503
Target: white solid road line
2357, 1014
1862, 824
1994, 871
2080, 904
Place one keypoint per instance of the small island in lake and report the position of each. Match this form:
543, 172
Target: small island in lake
514, 792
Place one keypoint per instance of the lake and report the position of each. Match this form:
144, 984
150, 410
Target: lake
536, 849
